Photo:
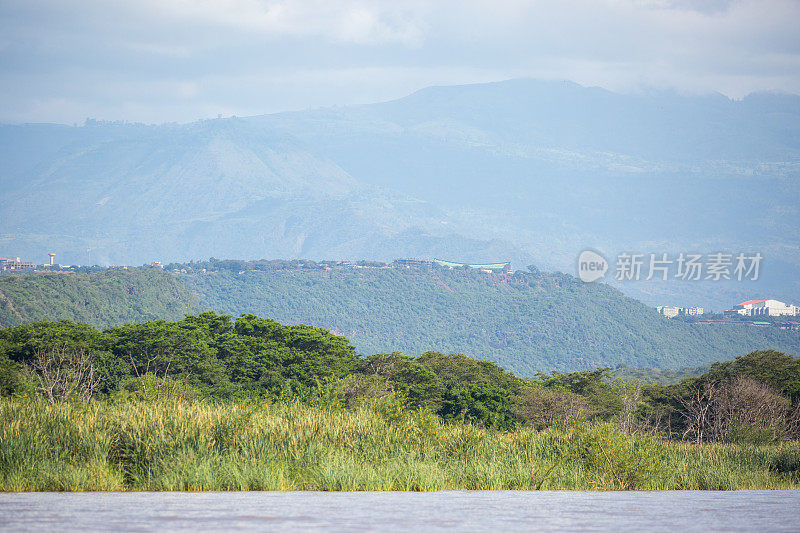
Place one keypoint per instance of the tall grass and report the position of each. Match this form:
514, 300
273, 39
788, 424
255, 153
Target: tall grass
290, 446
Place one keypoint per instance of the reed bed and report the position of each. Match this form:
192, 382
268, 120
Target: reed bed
197, 446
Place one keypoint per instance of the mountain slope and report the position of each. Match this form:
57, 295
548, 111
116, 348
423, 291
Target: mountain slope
528, 322
555, 168
530, 170
117, 193
102, 299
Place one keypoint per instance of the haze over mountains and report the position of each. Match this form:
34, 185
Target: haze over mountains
525, 170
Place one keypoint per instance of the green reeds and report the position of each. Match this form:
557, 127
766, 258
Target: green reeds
293, 446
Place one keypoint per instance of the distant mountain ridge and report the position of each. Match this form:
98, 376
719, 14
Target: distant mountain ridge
223, 188
527, 169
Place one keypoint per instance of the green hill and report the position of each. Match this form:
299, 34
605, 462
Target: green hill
526, 322
102, 299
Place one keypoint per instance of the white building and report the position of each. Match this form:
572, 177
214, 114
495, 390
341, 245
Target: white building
764, 308
15, 264
671, 311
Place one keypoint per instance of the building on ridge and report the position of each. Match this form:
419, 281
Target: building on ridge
671, 311
766, 307
15, 264
505, 268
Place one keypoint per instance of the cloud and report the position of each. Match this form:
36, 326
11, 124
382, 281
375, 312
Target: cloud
701, 6
182, 59
344, 20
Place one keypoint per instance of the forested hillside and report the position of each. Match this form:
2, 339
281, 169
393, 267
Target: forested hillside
102, 299
527, 322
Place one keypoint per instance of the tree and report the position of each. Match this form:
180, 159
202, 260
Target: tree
544, 407
630, 395
696, 404
480, 404
746, 409
739, 408
766, 366
415, 383
63, 374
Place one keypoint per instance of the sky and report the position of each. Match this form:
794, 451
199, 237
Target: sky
181, 60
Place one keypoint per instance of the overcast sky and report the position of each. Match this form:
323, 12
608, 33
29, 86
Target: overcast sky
180, 60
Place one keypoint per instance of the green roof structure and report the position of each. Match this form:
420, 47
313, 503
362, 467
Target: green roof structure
488, 266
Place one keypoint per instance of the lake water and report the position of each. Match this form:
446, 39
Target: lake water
402, 511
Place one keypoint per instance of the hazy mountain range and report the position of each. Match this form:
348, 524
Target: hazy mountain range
525, 170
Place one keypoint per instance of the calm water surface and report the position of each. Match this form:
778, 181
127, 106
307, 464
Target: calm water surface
401, 511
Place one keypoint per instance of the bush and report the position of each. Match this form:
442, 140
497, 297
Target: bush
543, 407
786, 462
15, 379
744, 433
152, 388
479, 404
617, 460
359, 388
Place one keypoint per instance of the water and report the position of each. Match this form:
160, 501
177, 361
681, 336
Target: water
402, 511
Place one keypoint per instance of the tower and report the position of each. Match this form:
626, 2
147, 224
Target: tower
52, 256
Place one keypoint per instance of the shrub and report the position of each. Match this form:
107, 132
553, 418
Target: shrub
152, 388
545, 407
617, 460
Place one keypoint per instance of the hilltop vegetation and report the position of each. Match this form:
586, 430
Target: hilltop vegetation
662, 376
104, 298
527, 322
